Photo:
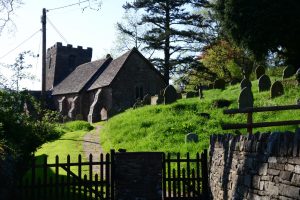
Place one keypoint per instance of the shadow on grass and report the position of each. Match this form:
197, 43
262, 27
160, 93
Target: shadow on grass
81, 141
48, 183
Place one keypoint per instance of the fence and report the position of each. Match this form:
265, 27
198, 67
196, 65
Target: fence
250, 125
182, 178
185, 178
44, 181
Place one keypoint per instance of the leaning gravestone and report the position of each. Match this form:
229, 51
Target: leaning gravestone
264, 83
219, 84
191, 137
246, 98
147, 100
289, 71
298, 76
170, 94
246, 83
259, 71
277, 89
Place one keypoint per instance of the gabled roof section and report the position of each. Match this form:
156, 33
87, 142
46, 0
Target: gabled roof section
80, 77
108, 75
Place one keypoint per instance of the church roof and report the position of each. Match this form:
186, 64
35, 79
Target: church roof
79, 78
107, 76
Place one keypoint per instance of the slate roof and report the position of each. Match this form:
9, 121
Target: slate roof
108, 75
79, 78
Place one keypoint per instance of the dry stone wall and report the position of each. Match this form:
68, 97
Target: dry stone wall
261, 166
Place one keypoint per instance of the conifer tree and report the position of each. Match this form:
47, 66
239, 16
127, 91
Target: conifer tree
174, 31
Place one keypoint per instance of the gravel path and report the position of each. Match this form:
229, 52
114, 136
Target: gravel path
92, 146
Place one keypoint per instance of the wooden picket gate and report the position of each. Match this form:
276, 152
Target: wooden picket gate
185, 178
182, 178
82, 180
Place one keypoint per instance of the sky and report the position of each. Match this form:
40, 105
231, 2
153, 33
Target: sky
88, 28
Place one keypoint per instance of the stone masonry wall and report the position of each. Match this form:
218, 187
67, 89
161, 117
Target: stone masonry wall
260, 166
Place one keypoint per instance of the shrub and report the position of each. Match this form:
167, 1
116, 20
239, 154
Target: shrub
78, 125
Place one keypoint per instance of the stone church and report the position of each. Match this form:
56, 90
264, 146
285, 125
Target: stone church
96, 90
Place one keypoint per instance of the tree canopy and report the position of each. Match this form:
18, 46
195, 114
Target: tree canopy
263, 26
174, 31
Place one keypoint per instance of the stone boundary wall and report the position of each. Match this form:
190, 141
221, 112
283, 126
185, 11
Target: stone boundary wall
259, 166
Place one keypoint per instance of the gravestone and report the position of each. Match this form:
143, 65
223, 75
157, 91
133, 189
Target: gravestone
235, 81
246, 83
264, 83
219, 84
179, 95
298, 76
170, 94
259, 71
147, 100
246, 98
289, 71
191, 137
190, 94
277, 89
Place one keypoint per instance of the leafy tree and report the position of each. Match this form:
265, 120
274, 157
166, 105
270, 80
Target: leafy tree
263, 26
20, 71
226, 60
174, 32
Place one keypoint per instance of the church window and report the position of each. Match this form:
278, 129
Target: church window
139, 92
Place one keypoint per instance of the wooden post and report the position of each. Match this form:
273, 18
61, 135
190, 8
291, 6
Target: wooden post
204, 171
250, 123
43, 93
112, 174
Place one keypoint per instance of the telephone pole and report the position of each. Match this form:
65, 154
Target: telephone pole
43, 93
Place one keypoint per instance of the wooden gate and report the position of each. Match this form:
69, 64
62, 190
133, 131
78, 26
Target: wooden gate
185, 178
81, 180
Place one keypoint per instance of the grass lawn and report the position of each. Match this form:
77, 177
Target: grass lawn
163, 127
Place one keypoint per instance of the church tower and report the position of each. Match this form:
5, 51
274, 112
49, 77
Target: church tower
62, 60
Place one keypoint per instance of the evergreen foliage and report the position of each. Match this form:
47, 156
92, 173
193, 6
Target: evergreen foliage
175, 31
263, 26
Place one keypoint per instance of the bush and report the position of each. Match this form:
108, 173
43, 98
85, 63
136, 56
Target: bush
78, 125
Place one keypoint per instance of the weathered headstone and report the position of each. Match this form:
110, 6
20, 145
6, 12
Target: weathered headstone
264, 83
246, 83
191, 137
289, 71
179, 95
219, 84
147, 99
298, 76
246, 99
154, 100
190, 94
170, 94
277, 89
235, 81
259, 71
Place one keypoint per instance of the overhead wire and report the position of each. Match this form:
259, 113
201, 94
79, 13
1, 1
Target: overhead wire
38, 53
3, 56
57, 31
66, 6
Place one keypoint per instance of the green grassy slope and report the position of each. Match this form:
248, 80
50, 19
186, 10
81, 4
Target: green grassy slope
163, 127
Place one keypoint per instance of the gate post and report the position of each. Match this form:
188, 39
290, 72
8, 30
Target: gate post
138, 175
204, 173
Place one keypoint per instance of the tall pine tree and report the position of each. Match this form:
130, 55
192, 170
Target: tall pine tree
175, 31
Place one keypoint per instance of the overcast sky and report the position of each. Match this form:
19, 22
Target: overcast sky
95, 29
